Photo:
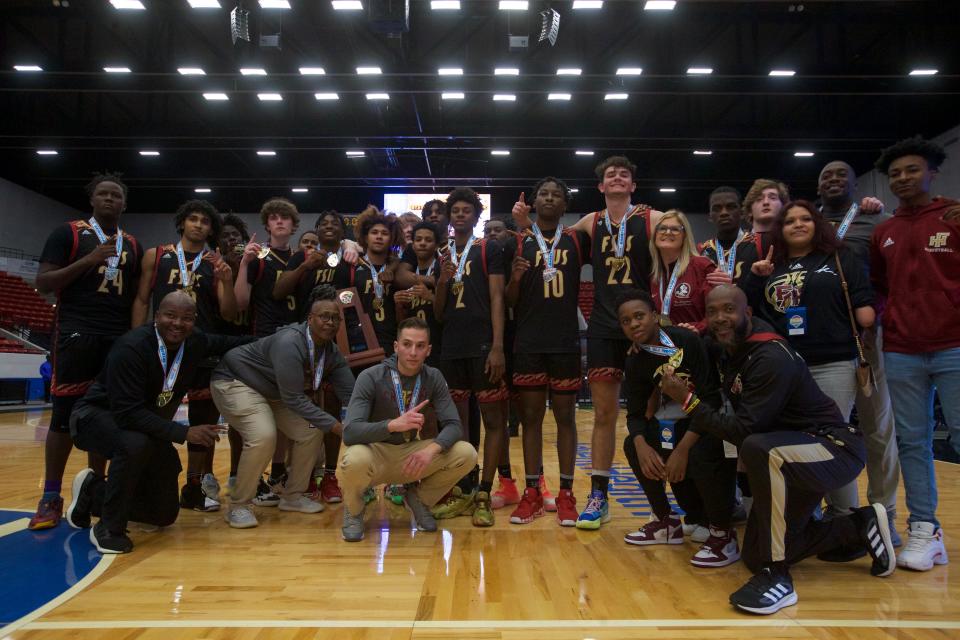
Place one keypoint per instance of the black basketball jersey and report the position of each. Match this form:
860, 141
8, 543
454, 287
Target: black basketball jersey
423, 309
384, 318
202, 285
339, 277
546, 311
467, 328
93, 304
267, 314
748, 248
609, 280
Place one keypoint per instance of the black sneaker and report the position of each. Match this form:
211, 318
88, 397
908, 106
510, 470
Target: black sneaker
875, 531
266, 497
765, 593
193, 497
78, 513
107, 542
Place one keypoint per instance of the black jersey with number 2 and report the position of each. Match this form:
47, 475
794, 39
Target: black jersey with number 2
467, 328
546, 311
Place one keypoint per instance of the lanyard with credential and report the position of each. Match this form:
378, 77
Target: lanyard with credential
311, 349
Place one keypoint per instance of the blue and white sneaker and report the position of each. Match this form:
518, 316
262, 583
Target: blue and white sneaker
765, 593
596, 513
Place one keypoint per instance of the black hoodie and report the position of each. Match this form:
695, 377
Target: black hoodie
770, 389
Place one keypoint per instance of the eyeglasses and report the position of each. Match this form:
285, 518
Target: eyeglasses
669, 230
332, 318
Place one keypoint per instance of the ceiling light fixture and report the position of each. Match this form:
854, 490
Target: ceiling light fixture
28, 68
699, 71
191, 71
923, 72
667, 190
312, 71
782, 73
440, 5
47, 152
588, 4
266, 153
450, 71
583, 152
378, 96
201, 190
702, 152
356, 154
452, 95
299, 190
514, 5
559, 96
347, 5
629, 71
135, 5
504, 97
216, 96
499, 152
506, 71
149, 153
568, 71
117, 69
615, 96
369, 71
253, 71
326, 96
659, 5
204, 4
274, 4
270, 97
803, 154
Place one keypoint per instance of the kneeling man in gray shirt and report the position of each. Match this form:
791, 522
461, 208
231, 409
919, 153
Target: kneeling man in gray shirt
382, 433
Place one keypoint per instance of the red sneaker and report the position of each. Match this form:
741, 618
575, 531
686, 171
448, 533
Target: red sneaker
529, 509
549, 502
719, 550
666, 531
313, 491
567, 508
48, 514
505, 494
330, 488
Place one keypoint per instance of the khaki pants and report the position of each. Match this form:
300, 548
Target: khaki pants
367, 465
257, 420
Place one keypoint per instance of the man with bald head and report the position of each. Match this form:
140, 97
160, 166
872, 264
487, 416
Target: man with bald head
794, 445
837, 188
127, 417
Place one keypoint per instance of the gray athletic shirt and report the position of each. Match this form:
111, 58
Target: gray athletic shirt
374, 404
278, 368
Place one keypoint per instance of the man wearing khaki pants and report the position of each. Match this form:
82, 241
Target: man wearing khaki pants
271, 385
382, 431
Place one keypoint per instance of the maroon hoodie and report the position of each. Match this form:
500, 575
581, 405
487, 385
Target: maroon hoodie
915, 265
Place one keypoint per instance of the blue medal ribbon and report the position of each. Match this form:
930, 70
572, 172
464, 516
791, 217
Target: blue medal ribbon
618, 247
459, 260
112, 262
398, 391
311, 349
847, 220
170, 377
731, 261
548, 255
186, 277
657, 350
667, 298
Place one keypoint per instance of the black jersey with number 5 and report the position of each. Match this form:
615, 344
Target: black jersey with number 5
268, 314
610, 279
383, 316
92, 304
202, 285
467, 327
546, 311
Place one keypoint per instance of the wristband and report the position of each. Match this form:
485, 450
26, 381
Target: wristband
688, 408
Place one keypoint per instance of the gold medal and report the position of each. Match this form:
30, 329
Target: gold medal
456, 287
665, 321
619, 263
188, 290
668, 370
263, 253
164, 397
675, 359
333, 260
378, 304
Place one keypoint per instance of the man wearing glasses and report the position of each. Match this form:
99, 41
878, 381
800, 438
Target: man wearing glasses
274, 385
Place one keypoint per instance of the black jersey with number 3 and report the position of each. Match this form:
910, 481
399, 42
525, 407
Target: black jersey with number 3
467, 328
92, 304
268, 314
383, 317
609, 280
546, 311
202, 285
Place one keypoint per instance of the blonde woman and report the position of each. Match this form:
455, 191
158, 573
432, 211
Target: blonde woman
678, 276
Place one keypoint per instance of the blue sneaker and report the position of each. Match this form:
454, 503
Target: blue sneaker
596, 512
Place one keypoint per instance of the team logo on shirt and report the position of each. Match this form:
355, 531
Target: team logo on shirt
938, 243
737, 386
683, 291
888, 243
785, 291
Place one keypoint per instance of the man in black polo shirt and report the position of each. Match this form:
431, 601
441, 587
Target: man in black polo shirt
127, 417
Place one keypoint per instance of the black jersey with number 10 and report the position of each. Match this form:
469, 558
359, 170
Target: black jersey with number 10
546, 311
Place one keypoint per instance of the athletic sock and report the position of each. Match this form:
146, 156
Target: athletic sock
485, 486
533, 481
277, 469
566, 482
540, 471
466, 483
53, 487
330, 472
600, 480
504, 471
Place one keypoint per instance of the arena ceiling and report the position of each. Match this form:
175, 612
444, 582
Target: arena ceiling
851, 94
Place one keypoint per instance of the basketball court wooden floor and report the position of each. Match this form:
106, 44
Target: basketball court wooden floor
293, 577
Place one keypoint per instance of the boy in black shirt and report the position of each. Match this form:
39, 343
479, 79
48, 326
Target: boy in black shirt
469, 303
187, 266
418, 299
795, 447
660, 447
543, 290
127, 416
733, 250
374, 276
93, 267
262, 266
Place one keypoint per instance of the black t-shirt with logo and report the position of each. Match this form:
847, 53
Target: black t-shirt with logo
269, 314
92, 304
751, 245
203, 285
546, 312
609, 282
467, 328
812, 282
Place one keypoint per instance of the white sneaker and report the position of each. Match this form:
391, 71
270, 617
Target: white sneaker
240, 517
696, 532
924, 547
210, 486
303, 504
